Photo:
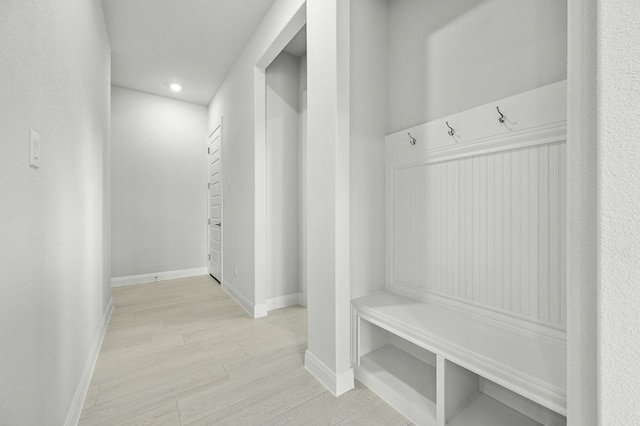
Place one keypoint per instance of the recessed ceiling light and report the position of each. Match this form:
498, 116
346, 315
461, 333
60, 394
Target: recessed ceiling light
175, 87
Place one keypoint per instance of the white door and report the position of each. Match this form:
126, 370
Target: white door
215, 203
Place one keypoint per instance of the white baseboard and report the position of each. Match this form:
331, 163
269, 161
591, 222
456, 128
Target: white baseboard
255, 311
73, 415
336, 383
158, 276
283, 301
260, 311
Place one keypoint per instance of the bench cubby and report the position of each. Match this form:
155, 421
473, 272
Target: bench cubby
402, 373
470, 399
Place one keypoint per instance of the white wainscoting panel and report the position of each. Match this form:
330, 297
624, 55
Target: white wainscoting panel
483, 223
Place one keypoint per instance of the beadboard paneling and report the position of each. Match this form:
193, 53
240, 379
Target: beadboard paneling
485, 229
477, 220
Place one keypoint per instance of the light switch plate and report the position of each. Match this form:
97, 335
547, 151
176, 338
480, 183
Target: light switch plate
34, 149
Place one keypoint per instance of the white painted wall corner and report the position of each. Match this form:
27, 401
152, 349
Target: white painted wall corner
255, 311
336, 383
73, 415
283, 301
157, 276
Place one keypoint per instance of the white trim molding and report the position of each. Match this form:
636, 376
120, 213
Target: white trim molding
73, 415
544, 108
336, 383
283, 301
158, 276
255, 311
260, 311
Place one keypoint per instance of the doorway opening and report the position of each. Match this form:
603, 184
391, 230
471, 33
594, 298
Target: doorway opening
283, 40
285, 176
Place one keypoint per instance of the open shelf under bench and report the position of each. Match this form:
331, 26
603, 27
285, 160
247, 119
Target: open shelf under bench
402, 379
486, 411
470, 350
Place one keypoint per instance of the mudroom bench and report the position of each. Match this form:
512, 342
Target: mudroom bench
442, 365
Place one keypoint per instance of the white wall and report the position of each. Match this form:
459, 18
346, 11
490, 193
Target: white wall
446, 57
159, 184
618, 215
302, 65
54, 221
328, 186
369, 33
303, 176
582, 218
235, 102
283, 176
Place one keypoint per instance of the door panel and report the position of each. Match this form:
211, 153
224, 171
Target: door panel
215, 203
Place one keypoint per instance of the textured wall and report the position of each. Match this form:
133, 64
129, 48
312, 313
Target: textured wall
619, 211
54, 221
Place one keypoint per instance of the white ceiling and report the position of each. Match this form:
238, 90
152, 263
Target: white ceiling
190, 42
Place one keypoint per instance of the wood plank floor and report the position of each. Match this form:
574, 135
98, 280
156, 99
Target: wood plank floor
182, 352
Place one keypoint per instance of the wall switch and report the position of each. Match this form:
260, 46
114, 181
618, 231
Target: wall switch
34, 149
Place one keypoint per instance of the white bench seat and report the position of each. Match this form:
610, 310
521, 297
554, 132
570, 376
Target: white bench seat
522, 361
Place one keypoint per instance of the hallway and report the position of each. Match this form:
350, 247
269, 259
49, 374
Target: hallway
182, 352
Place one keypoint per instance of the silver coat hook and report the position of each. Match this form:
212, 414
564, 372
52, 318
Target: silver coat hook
413, 140
502, 118
451, 131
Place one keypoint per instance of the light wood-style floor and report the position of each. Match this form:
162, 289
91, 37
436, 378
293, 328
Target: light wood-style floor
182, 352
